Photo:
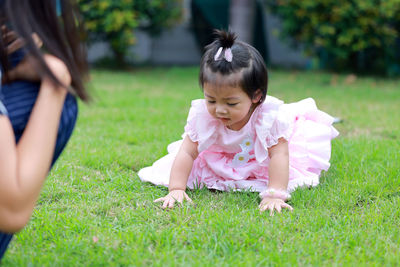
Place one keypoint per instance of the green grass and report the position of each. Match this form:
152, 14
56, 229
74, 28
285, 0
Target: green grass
94, 211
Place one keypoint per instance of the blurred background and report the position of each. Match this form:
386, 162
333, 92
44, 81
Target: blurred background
357, 36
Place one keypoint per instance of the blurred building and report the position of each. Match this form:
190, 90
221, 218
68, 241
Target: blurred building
182, 44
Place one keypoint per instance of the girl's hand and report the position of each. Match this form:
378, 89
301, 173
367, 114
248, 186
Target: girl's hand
172, 197
273, 204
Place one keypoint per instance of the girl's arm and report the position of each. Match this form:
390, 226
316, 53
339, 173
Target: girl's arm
182, 165
180, 172
24, 167
278, 171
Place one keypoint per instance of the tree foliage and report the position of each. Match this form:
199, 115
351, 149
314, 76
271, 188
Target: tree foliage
114, 21
360, 35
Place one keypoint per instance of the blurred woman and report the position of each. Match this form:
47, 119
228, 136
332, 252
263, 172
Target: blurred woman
38, 106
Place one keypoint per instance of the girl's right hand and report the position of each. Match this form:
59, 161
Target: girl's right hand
272, 204
173, 196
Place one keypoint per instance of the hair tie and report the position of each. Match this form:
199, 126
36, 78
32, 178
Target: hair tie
227, 54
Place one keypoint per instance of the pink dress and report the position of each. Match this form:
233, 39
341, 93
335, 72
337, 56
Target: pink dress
235, 160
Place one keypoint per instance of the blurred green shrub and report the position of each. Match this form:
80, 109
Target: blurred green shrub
113, 21
355, 35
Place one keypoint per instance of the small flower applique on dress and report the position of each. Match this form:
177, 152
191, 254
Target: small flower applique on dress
241, 158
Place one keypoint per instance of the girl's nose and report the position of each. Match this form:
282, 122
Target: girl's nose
220, 109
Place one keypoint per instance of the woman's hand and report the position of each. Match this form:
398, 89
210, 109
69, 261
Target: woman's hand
272, 204
25, 70
14, 42
172, 197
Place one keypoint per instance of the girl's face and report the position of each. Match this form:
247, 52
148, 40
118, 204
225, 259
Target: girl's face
231, 105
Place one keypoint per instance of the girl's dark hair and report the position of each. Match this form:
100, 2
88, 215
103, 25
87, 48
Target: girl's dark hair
61, 36
247, 68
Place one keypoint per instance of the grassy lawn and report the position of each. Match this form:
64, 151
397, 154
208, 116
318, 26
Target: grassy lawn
94, 210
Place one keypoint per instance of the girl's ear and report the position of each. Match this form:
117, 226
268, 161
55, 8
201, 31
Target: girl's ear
256, 96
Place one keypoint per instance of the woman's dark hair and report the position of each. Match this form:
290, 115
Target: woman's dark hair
61, 36
247, 65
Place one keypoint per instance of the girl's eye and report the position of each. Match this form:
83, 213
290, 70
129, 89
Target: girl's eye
232, 104
211, 101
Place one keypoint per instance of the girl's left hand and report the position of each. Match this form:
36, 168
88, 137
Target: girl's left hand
273, 204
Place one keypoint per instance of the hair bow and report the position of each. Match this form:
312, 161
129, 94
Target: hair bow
227, 54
